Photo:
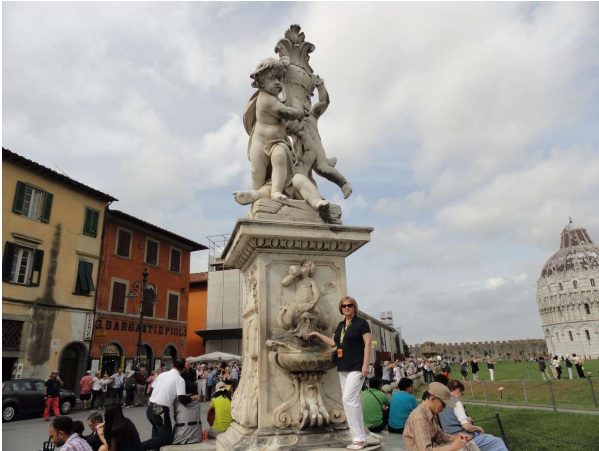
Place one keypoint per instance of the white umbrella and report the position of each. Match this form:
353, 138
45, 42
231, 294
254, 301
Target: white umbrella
213, 357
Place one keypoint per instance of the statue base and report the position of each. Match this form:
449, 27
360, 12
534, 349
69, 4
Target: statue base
294, 210
239, 438
289, 397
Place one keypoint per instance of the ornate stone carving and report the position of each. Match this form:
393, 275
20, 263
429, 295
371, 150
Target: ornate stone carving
279, 113
304, 313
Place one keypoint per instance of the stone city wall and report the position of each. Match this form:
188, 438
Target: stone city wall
514, 349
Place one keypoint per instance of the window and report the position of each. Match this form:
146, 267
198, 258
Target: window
32, 202
90, 222
119, 291
575, 283
22, 265
570, 336
123, 243
175, 263
12, 332
173, 306
152, 252
588, 335
592, 282
587, 309
148, 301
561, 287
21, 386
84, 283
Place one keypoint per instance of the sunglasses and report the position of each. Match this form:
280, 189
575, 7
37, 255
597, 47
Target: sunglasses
347, 305
442, 403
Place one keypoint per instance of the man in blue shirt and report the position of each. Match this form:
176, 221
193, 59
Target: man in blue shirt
402, 403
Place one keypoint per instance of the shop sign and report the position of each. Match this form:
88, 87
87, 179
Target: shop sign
116, 325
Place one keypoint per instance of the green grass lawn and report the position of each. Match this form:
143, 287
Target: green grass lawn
535, 430
523, 370
521, 383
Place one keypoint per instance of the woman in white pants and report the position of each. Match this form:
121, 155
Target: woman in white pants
353, 341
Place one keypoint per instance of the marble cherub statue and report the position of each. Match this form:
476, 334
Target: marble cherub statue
307, 139
270, 152
303, 314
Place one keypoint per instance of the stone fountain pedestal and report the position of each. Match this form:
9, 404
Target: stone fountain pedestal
289, 396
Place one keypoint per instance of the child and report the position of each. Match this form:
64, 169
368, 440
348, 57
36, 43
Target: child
268, 147
269, 150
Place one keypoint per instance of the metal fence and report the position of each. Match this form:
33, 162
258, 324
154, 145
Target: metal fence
564, 393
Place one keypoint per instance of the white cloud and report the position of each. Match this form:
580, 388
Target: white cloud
468, 131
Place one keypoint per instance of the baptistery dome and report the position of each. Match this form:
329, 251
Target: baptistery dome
568, 295
577, 252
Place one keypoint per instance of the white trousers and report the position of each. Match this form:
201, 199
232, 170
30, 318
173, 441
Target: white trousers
351, 390
570, 373
492, 374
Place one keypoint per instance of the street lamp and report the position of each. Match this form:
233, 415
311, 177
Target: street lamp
146, 295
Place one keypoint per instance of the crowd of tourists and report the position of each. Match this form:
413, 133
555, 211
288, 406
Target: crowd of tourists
552, 367
172, 399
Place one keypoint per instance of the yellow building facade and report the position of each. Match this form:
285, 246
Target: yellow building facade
51, 233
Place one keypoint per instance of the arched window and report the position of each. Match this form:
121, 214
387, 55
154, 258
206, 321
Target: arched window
587, 309
570, 335
588, 335
575, 283
557, 336
592, 282
561, 287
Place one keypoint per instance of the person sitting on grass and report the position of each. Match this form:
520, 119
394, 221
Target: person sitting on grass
455, 421
375, 406
402, 403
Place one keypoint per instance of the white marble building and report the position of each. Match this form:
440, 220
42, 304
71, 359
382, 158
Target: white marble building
568, 295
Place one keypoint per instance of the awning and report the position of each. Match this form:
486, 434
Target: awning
220, 334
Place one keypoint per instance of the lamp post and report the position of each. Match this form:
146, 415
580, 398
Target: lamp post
141, 289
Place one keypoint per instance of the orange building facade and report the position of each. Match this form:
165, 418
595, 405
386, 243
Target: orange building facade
196, 318
129, 245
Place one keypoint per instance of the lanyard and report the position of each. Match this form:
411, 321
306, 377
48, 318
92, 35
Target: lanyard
343, 332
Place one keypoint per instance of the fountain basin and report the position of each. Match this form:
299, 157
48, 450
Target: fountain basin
304, 361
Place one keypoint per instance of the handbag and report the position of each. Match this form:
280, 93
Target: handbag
385, 411
210, 416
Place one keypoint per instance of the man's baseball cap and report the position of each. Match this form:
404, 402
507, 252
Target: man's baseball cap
438, 390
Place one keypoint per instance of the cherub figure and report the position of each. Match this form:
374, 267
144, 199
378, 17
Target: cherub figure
304, 313
269, 150
307, 138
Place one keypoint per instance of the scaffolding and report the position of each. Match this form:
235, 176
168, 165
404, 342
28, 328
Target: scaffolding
216, 246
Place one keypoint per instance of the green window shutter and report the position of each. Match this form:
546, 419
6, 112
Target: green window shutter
85, 283
95, 220
90, 223
36, 270
86, 221
47, 207
9, 255
17, 206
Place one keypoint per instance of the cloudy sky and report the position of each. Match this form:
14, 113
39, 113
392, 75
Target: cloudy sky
470, 133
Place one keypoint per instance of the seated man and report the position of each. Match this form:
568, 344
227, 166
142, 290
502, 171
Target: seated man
454, 421
422, 431
62, 434
221, 401
188, 423
93, 439
402, 404
375, 406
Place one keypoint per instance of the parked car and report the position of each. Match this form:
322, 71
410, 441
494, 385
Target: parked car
25, 397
